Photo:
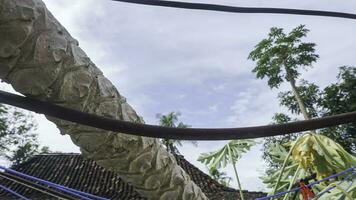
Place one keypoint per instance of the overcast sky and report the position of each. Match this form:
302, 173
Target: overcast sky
195, 62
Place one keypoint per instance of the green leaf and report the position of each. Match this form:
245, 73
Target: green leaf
346, 189
220, 158
321, 155
279, 56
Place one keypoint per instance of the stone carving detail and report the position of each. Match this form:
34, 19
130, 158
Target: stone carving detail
39, 58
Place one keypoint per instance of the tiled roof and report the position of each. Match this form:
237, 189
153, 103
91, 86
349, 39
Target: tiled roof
73, 171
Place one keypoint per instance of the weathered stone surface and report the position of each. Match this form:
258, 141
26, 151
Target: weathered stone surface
39, 58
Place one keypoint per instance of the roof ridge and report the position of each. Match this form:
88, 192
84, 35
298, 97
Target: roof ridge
71, 170
222, 187
59, 154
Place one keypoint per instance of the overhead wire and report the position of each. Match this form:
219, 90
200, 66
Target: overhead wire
235, 9
109, 124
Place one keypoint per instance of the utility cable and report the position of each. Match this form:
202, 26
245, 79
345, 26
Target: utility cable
234, 9
92, 120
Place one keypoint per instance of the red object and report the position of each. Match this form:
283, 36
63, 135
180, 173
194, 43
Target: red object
307, 193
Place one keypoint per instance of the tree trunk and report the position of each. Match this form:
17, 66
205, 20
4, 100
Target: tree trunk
236, 174
39, 58
299, 99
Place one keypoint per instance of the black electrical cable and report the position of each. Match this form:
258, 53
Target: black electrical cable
234, 9
172, 133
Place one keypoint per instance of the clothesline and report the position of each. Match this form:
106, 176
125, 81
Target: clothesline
351, 169
77, 193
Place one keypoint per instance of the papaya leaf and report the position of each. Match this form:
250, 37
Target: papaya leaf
321, 155
220, 158
345, 190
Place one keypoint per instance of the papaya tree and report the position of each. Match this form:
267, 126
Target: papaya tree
279, 58
335, 98
228, 154
40, 59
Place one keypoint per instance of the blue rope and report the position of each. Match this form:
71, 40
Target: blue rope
309, 185
346, 178
352, 182
74, 192
13, 192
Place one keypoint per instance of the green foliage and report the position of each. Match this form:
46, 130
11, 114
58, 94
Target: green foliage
339, 98
280, 55
279, 58
220, 177
278, 154
229, 153
171, 120
269, 144
18, 140
280, 118
345, 190
315, 152
309, 94
321, 155
312, 153
336, 98
25, 151
15, 128
220, 158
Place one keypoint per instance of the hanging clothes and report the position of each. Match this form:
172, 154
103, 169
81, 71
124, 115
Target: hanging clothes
306, 191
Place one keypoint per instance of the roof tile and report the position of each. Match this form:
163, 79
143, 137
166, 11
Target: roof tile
73, 171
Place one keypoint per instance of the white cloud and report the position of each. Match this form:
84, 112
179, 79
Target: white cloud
219, 87
213, 108
165, 59
253, 106
181, 96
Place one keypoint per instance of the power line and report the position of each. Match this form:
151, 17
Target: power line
234, 9
172, 133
